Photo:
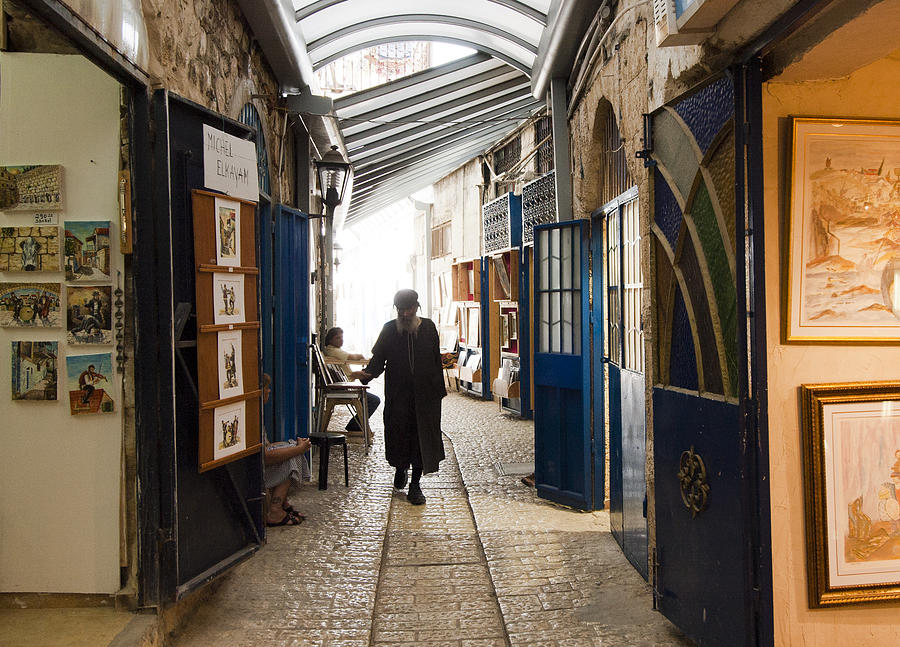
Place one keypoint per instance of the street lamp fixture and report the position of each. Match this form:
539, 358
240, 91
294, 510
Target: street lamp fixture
332, 172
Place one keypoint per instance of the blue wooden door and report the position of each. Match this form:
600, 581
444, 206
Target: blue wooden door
563, 439
291, 327
620, 267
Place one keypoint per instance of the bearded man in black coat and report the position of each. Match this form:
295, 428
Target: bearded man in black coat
408, 353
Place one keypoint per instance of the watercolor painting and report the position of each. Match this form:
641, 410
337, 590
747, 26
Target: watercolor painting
30, 305
29, 249
228, 232
229, 430
852, 487
845, 231
231, 363
87, 250
89, 314
34, 370
89, 386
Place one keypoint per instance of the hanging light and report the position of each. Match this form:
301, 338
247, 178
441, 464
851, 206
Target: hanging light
332, 172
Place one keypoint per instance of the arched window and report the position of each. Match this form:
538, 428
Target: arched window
250, 117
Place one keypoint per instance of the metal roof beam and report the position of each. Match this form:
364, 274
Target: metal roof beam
519, 65
515, 5
366, 186
423, 97
352, 126
365, 178
511, 113
438, 19
493, 95
413, 79
432, 142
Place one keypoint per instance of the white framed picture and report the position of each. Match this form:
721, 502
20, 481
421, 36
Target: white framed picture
228, 232
229, 429
228, 298
230, 360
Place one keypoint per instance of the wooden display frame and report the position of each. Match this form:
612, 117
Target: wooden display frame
206, 268
466, 278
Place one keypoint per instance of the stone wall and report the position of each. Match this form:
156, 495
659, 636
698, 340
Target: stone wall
204, 51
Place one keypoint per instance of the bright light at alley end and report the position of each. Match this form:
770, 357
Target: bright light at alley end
333, 172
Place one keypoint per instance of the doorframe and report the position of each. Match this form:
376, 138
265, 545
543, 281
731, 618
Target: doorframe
753, 397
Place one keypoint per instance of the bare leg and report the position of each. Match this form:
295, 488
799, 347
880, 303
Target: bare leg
278, 496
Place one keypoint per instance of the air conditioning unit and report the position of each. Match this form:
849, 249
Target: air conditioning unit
687, 22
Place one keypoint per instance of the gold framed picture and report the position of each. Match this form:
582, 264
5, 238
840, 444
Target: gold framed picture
844, 241
851, 469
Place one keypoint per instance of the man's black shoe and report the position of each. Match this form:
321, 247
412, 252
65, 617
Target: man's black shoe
400, 478
415, 495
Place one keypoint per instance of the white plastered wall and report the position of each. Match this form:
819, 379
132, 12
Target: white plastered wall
59, 474
871, 92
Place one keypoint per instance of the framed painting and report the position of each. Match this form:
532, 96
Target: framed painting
851, 469
29, 249
89, 314
844, 240
90, 390
87, 250
34, 370
24, 305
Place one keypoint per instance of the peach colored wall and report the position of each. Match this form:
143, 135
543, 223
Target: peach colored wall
868, 93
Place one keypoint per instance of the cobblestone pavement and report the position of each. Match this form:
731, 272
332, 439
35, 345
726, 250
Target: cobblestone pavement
484, 563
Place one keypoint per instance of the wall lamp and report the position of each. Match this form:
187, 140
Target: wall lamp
332, 172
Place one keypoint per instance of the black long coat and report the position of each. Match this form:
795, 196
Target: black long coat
410, 389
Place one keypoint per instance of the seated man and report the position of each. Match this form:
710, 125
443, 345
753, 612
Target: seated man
283, 462
334, 339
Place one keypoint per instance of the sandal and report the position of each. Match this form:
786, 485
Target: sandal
288, 520
291, 511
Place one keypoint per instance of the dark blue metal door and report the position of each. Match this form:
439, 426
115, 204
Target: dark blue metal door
707, 548
563, 440
620, 268
291, 325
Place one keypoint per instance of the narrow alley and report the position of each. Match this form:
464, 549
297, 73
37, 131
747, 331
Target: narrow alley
484, 563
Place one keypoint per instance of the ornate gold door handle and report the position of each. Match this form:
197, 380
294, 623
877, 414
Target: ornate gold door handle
692, 476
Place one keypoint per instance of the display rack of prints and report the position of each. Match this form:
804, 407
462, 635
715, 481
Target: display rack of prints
227, 328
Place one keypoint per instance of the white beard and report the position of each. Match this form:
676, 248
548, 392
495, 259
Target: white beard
411, 326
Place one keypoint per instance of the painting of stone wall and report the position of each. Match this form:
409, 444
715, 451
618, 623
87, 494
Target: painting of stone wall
29, 249
31, 188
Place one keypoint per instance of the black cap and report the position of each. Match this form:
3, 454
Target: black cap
406, 299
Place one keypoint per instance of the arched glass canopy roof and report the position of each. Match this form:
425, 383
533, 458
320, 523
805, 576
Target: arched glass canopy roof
408, 133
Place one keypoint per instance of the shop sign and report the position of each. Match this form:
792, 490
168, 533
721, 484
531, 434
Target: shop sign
229, 164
